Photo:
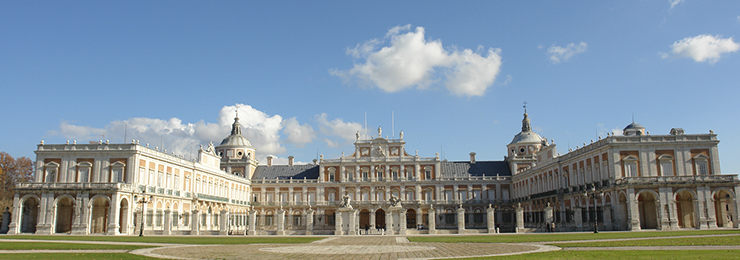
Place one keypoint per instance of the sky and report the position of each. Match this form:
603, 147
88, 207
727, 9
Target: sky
305, 76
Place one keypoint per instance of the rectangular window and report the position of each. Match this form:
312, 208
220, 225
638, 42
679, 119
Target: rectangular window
427, 175
84, 174
268, 220
702, 168
666, 168
296, 220
395, 175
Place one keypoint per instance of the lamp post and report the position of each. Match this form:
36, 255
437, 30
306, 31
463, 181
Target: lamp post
594, 195
143, 201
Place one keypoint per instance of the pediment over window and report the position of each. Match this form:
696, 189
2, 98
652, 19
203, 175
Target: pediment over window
701, 156
630, 158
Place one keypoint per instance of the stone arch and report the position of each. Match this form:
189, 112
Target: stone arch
723, 207
380, 218
685, 199
123, 215
648, 209
29, 213
365, 218
411, 218
65, 213
100, 205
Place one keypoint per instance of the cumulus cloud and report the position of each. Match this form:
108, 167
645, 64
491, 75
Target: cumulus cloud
702, 48
410, 60
558, 54
297, 133
338, 127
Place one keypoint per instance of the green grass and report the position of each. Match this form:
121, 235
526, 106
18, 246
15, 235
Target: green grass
81, 256
175, 240
62, 246
684, 254
694, 241
523, 238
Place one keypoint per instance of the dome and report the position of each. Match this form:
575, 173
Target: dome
236, 139
526, 135
634, 126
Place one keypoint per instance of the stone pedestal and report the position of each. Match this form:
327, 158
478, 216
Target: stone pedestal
432, 217
491, 219
346, 221
280, 222
167, 222
309, 222
338, 231
402, 222
519, 219
223, 223
252, 222
460, 220
607, 217
578, 218
195, 226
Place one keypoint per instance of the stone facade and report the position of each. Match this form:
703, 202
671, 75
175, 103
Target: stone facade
632, 181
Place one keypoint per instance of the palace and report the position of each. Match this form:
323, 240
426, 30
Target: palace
632, 181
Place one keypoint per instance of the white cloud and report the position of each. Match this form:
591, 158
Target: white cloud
703, 48
337, 127
411, 61
297, 133
558, 54
674, 3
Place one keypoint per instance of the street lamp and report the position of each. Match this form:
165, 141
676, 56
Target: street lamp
594, 195
143, 201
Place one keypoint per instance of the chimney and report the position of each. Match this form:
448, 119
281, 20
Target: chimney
290, 160
269, 160
472, 157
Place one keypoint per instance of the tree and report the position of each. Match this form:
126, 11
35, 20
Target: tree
12, 171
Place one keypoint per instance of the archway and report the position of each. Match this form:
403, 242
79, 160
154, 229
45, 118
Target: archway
29, 215
123, 217
380, 218
648, 212
622, 204
65, 209
723, 207
410, 218
99, 220
685, 208
364, 219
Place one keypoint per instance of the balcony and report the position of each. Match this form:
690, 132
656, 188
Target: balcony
75, 186
692, 179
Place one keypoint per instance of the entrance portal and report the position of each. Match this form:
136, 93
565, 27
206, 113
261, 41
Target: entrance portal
29, 217
380, 219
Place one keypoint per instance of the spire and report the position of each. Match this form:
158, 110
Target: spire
526, 126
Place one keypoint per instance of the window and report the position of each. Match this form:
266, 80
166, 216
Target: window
51, 175
331, 196
332, 171
268, 219
394, 173
701, 164
409, 195
364, 175
428, 195
448, 195
185, 219
297, 198
84, 171
630, 166
296, 220
702, 168
427, 173
177, 182
159, 179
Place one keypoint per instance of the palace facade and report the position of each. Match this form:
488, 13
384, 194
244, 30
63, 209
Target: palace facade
632, 181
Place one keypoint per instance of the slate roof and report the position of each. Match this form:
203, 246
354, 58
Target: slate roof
285, 172
461, 169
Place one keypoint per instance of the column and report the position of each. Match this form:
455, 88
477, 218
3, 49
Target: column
15, 223
114, 215
432, 216
633, 209
372, 219
460, 220
709, 202
252, 222
608, 217
281, 222
309, 221
352, 222
491, 219
195, 219
419, 216
167, 223
224, 224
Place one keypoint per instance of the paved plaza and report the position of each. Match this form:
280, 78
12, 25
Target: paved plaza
350, 247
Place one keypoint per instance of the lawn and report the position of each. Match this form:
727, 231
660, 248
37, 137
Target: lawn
174, 239
684, 254
693, 241
524, 238
62, 246
80, 256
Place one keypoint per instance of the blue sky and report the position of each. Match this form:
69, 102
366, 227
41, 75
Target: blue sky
452, 76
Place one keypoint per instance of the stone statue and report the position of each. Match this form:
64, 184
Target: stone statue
395, 201
379, 151
401, 134
357, 135
346, 202
380, 132
211, 149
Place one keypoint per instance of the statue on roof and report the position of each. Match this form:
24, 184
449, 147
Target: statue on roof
357, 135
380, 132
